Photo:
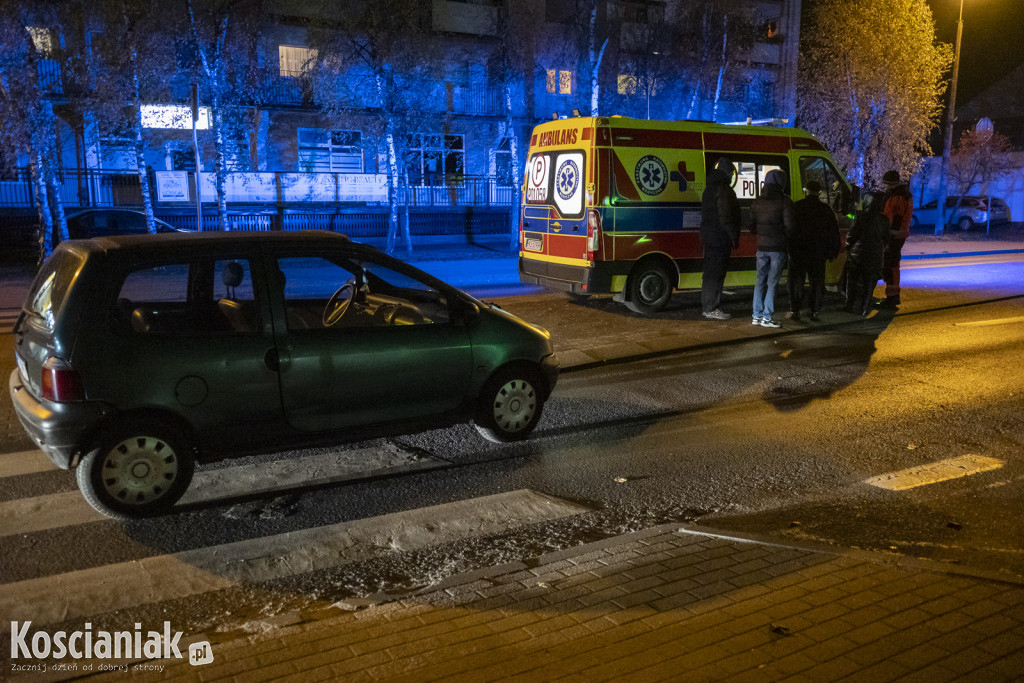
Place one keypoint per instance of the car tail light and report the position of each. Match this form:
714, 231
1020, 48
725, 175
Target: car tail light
60, 382
593, 233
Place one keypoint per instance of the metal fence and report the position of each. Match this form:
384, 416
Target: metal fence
99, 188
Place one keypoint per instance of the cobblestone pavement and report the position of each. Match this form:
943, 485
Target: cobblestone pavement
667, 603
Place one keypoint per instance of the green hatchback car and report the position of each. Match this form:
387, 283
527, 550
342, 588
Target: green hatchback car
138, 356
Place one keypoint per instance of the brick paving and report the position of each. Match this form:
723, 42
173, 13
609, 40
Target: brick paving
668, 603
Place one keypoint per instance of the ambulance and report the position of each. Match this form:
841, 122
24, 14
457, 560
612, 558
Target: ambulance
611, 205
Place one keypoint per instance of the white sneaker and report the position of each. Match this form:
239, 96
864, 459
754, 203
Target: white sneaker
768, 322
755, 321
717, 314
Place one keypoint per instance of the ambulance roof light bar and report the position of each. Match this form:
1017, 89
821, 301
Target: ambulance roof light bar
759, 122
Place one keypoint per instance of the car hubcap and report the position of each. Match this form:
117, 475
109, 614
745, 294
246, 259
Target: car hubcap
515, 405
139, 470
651, 287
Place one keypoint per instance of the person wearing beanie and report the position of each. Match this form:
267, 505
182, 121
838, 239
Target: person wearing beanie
771, 219
814, 240
719, 235
898, 208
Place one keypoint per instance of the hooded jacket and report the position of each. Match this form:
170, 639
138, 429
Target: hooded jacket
815, 230
719, 208
771, 214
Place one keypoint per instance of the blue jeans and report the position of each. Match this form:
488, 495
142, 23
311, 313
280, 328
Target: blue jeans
769, 272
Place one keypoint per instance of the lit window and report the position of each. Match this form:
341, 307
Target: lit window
324, 151
42, 39
564, 82
627, 84
559, 82
295, 61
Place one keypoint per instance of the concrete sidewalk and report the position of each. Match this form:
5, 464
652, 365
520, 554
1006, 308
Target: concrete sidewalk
668, 603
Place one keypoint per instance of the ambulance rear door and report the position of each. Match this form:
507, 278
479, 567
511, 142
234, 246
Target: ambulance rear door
554, 216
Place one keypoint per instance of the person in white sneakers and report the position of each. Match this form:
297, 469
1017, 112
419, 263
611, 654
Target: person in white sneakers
771, 219
719, 234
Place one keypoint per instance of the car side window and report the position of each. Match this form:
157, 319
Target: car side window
188, 299
834, 191
748, 183
341, 292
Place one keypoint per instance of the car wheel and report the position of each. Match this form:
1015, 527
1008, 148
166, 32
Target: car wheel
509, 405
138, 470
650, 288
965, 223
913, 221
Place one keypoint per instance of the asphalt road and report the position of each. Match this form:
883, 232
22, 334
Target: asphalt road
776, 434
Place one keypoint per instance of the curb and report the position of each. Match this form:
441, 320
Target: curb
957, 254
871, 556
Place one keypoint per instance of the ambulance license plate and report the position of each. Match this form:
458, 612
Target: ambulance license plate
534, 244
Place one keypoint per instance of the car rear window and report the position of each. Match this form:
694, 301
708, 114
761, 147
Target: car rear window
51, 286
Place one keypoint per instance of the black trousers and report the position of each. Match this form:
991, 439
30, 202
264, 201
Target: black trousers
716, 265
812, 269
860, 284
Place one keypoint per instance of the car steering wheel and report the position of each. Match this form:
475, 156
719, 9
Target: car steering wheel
338, 304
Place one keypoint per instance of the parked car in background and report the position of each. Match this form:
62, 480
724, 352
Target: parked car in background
106, 222
973, 211
204, 346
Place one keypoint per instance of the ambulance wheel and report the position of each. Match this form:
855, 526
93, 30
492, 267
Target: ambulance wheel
650, 288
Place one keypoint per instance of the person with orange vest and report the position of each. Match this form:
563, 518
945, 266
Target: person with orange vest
898, 208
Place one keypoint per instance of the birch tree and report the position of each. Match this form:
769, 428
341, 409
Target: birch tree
871, 81
27, 38
511, 68
131, 59
223, 34
378, 58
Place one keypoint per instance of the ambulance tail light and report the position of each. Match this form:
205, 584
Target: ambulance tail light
593, 233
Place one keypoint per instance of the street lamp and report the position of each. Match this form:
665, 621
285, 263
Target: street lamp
940, 225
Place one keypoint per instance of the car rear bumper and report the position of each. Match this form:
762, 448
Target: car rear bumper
56, 428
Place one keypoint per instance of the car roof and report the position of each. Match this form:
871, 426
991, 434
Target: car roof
210, 241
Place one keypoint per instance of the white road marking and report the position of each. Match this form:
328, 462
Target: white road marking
997, 321
97, 590
24, 462
935, 472
56, 510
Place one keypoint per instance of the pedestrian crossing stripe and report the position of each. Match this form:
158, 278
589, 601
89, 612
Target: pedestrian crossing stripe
58, 510
85, 592
935, 472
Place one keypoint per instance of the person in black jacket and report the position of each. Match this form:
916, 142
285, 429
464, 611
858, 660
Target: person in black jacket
771, 219
719, 233
813, 241
865, 249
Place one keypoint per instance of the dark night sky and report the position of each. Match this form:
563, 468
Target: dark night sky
992, 43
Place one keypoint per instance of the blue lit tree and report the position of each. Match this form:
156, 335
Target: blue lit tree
32, 60
224, 34
131, 59
381, 59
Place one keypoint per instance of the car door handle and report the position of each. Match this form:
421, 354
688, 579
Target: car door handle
272, 359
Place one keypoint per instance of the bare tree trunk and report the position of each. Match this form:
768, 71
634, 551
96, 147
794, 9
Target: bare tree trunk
139, 145
42, 207
517, 173
595, 63
722, 67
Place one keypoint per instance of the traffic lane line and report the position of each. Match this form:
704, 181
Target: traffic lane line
935, 472
24, 462
27, 515
125, 585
